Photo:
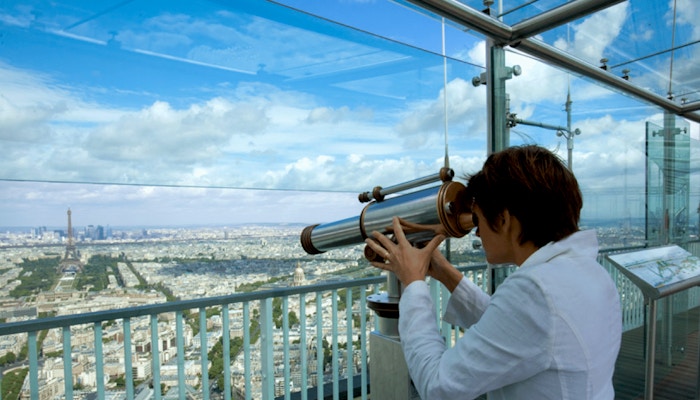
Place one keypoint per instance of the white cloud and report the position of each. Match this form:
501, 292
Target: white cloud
161, 133
425, 119
593, 36
21, 16
687, 12
249, 134
258, 136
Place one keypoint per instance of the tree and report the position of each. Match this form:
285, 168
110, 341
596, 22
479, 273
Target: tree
8, 358
293, 319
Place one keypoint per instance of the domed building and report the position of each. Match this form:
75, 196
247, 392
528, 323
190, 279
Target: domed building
298, 276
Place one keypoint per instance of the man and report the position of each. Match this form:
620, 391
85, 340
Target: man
552, 330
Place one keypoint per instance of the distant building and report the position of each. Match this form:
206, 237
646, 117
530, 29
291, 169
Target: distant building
298, 276
71, 259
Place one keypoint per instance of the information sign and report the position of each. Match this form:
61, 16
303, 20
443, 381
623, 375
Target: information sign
659, 271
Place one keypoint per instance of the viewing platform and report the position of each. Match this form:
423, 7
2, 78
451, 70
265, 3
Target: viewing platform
133, 352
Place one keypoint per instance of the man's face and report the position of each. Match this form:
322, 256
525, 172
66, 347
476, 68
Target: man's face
497, 246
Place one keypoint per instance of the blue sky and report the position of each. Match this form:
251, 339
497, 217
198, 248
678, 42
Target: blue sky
174, 112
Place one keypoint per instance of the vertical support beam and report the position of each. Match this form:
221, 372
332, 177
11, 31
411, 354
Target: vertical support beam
128, 371
651, 352
498, 135
669, 131
99, 361
203, 354
180, 354
319, 345
303, 344
33, 366
350, 365
155, 357
569, 133
227, 351
667, 334
496, 72
67, 363
285, 335
334, 344
363, 340
246, 351
266, 349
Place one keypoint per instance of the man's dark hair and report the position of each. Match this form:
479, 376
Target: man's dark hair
535, 186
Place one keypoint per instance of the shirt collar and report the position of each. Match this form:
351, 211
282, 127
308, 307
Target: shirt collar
581, 243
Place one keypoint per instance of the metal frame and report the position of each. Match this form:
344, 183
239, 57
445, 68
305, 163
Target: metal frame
519, 36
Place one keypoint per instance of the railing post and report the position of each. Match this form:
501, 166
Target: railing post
285, 330
334, 339
155, 354
67, 363
33, 366
350, 366
363, 341
319, 345
266, 350
302, 342
180, 355
205, 357
227, 352
128, 372
246, 350
99, 361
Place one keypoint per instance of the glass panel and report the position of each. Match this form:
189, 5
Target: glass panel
235, 94
676, 361
650, 42
655, 211
668, 181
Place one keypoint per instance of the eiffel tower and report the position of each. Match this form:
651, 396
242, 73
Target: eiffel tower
71, 259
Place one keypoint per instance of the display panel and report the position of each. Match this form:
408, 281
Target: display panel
660, 271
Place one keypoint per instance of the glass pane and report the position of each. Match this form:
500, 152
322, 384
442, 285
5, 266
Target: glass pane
219, 94
668, 181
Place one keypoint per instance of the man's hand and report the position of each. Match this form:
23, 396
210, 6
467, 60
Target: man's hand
407, 262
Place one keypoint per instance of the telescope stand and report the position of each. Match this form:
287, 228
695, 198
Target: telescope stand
388, 372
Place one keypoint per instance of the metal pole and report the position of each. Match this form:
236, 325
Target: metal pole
651, 349
496, 72
570, 135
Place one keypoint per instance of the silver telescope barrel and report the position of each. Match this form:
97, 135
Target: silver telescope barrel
441, 209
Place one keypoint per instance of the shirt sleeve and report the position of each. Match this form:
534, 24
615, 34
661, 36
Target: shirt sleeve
466, 305
510, 343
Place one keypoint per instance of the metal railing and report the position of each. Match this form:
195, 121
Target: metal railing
277, 359
259, 380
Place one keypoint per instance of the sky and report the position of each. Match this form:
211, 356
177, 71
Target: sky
166, 113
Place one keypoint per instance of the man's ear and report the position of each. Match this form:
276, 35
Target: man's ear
510, 224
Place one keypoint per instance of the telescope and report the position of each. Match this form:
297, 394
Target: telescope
439, 209
442, 209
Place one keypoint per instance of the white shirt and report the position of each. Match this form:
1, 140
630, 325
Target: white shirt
552, 330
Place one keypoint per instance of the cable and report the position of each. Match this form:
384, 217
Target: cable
444, 95
673, 43
175, 186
